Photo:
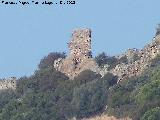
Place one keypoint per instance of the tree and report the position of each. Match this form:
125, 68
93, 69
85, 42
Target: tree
103, 59
109, 79
89, 99
153, 114
86, 76
48, 61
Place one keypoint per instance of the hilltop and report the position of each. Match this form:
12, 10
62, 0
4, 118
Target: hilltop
80, 87
131, 63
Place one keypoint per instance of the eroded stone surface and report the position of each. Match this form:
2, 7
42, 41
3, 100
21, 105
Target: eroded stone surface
148, 53
9, 83
80, 56
158, 29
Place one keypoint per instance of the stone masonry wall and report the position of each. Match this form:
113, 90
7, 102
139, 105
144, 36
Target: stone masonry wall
9, 83
80, 57
148, 53
158, 29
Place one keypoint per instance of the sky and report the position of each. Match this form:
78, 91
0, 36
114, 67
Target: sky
30, 32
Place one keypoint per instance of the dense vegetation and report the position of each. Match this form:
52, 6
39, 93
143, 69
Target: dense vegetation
102, 59
138, 97
50, 95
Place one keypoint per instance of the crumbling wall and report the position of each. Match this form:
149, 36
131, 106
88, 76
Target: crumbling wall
9, 83
158, 30
80, 57
132, 55
148, 53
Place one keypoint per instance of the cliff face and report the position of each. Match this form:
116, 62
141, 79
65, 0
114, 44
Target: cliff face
80, 57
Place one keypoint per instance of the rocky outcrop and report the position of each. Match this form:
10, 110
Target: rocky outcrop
9, 83
80, 56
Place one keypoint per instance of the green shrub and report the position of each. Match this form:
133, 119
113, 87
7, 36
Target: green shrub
48, 61
152, 114
89, 99
149, 92
86, 76
103, 59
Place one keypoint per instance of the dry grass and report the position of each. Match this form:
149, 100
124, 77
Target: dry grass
105, 117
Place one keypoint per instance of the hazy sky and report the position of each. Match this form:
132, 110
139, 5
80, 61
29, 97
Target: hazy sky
28, 33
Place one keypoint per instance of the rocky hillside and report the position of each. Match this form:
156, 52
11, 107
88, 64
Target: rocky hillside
80, 58
126, 87
138, 60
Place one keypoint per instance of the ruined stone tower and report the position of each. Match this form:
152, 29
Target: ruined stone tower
158, 30
80, 57
80, 45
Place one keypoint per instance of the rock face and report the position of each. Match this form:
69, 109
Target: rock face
9, 83
80, 56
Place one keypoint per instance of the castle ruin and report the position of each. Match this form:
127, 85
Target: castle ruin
9, 83
145, 56
158, 30
80, 59
80, 56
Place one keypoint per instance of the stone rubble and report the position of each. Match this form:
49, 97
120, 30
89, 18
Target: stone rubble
148, 53
9, 83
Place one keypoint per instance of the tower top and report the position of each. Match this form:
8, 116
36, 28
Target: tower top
158, 29
83, 32
80, 44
